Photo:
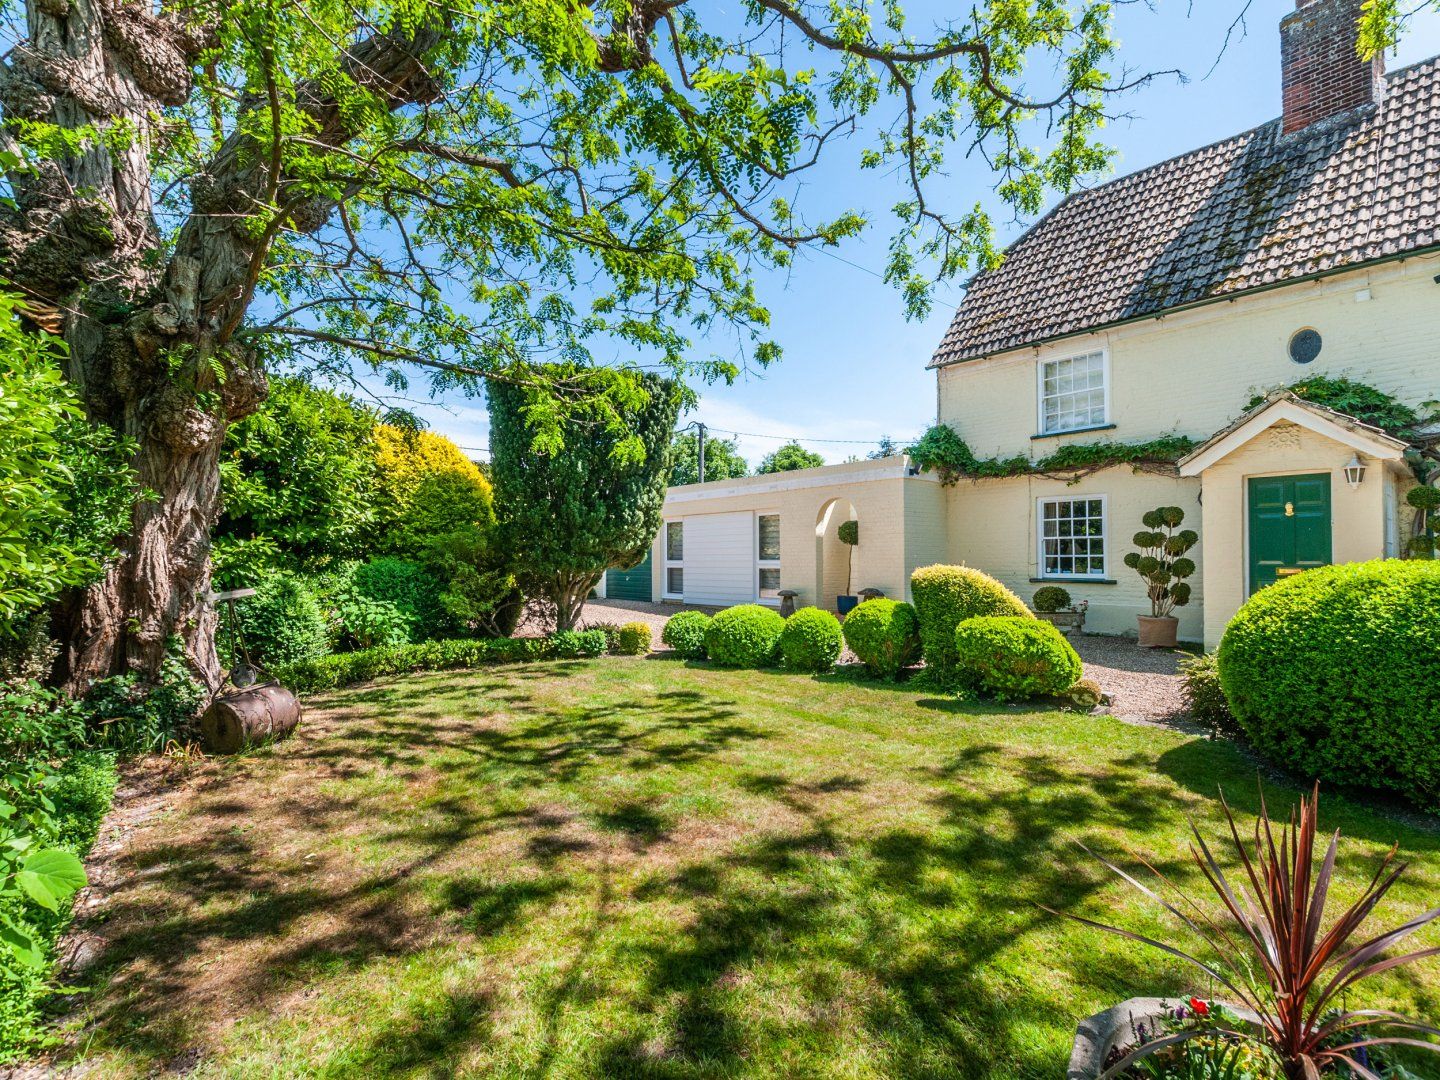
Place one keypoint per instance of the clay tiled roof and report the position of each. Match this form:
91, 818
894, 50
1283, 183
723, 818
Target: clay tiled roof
1253, 211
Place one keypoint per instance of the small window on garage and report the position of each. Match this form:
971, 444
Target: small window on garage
767, 556
675, 559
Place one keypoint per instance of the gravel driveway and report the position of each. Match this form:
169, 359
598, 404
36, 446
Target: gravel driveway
1143, 684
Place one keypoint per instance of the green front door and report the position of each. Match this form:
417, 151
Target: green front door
1289, 526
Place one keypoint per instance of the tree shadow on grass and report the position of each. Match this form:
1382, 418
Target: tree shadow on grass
225, 880
923, 916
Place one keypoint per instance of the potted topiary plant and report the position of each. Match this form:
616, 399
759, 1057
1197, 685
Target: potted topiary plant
1052, 603
849, 535
1161, 562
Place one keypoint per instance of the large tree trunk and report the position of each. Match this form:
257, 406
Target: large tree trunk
151, 332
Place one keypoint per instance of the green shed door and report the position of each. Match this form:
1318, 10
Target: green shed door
632, 584
1289, 526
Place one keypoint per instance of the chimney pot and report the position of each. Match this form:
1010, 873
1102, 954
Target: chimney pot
1322, 74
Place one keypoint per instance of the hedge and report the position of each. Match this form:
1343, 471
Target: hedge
945, 596
811, 640
1014, 657
685, 633
346, 669
885, 635
745, 636
1335, 674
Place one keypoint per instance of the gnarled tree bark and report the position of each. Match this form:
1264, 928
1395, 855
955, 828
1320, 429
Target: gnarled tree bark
150, 328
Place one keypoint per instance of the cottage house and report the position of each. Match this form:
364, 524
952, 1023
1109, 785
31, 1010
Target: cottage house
1161, 304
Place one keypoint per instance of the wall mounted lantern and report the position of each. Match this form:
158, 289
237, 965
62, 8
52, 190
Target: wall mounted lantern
1355, 471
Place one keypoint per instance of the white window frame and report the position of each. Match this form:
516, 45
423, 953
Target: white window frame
669, 563
1040, 572
1043, 362
763, 564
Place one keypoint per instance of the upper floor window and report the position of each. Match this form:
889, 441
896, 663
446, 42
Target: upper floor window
1072, 393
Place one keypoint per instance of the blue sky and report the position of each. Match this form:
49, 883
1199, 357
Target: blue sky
854, 368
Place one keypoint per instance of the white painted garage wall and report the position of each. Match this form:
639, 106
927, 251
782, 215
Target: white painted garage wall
719, 560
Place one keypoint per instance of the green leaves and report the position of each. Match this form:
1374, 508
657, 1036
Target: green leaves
50, 876
1161, 559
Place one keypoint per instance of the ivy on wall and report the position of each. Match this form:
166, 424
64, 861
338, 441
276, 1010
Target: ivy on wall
942, 450
1364, 403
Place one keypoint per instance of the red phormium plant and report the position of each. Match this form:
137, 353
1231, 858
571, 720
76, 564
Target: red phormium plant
1274, 925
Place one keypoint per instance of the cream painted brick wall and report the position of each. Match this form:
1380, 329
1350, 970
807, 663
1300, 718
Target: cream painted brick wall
992, 526
1194, 372
1357, 514
880, 507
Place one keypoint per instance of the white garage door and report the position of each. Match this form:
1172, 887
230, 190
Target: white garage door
719, 565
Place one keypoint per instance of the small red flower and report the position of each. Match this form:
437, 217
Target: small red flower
1201, 1008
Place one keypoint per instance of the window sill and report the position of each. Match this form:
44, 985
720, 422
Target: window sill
1072, 431
1073, 581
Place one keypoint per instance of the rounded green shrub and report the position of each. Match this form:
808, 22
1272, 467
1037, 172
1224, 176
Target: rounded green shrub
745, 636
634, 639
1050, 599
1015, 657
885, 635
282, 622
1335, 674
685, 633
811, 640
945, 596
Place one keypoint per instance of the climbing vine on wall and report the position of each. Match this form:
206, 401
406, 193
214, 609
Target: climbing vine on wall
1364, 403
942, 450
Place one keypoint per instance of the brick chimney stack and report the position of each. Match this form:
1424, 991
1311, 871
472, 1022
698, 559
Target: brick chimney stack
1321, 73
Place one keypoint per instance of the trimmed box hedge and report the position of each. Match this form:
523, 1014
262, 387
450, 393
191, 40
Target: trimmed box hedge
745, 636
945, 596
811, 640
1335, 674
346, 669
685, 633
885, 635
1014, 657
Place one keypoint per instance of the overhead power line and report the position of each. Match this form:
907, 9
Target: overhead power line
806, 438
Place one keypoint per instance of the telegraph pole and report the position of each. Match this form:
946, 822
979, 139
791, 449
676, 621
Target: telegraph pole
700, 451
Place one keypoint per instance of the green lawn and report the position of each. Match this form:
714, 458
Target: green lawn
634, 867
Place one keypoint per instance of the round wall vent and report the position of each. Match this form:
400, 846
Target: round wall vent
1305, 346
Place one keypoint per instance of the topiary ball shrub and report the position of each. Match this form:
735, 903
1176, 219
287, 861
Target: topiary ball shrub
685, 633
1050, 599
811, 640
634, 639
885, 635
945, 596
745, 636
282, 622
1335, 674
1015, 657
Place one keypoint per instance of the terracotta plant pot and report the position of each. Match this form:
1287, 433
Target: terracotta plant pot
1158, 633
